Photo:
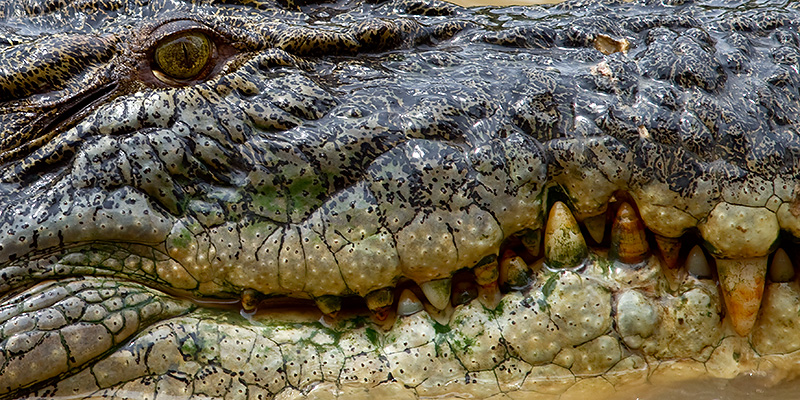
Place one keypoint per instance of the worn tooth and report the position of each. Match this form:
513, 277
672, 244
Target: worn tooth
329, 305
742, 283
250, 299
438, 292
380, 302
596, 226
513, 270
463, 293
670, 250
487, 271
628, 238
564, 246
781, 268
408, 303
532, 240
697, 263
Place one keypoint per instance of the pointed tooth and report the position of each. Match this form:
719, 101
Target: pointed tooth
250, 299
781, 268
438, 292
489, 295
380, 302
464, 292
486, 271
742, 283
697, 263
532, 240
564, 246
513, 271
670, 250
329, 305
596, 226
628, 238
408, 303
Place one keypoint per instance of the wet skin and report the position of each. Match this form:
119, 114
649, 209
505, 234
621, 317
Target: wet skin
402, 199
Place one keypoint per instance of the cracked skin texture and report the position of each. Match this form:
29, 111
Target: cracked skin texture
337, 149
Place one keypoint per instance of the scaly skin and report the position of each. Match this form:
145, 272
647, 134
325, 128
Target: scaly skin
341, 150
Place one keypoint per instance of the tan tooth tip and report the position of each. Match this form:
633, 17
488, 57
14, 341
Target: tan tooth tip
513, 270
670, 250
564, 246
742, 283
437, 292
487, 271
628, 238
250, 299
532, 241
329, 305
697, 263
408, 303
596, 226
781, 268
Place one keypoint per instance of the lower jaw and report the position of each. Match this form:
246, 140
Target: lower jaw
601, 329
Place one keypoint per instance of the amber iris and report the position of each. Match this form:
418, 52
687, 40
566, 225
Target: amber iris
184, 55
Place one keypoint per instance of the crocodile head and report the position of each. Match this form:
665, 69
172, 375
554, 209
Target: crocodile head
249, 199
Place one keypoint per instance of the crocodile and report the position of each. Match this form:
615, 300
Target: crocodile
286, 199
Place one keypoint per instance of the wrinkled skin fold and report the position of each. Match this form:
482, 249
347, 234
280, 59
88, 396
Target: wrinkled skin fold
351, 158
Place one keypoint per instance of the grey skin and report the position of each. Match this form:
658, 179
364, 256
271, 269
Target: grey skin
330, 156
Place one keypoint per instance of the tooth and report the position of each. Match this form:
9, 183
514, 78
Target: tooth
670, 250
742, 283
464, 292
564, 246
250, 299
489, 295
380, 302
513, 271
438, 292
628, 239
697, 263
408, 303
486, 272
532, 240
329, 305
596, 226
781, 269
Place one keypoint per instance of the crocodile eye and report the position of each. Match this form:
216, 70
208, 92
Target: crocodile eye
184, 55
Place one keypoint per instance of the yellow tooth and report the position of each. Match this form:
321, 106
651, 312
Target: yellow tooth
532, 241
670, 250
628, 239
596, 226
486, 272
329, 305
742, 283
513, 270
697, 263
380, 302
564, 246
781, 268
489, 295
408, 303
438, 292
250, 299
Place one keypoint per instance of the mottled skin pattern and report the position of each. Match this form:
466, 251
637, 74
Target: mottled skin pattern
341, 149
